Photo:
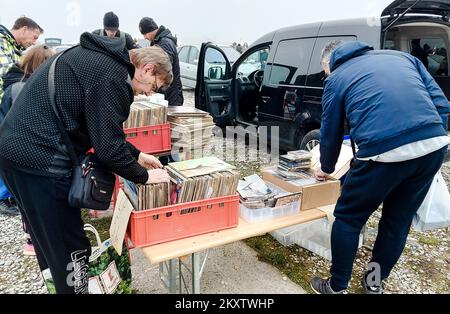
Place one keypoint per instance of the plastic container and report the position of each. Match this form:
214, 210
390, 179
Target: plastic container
183, 220
347, 141
286, 235
268, 213
315, 236
150, 139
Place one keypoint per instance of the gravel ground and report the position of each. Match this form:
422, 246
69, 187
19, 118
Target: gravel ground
423, 268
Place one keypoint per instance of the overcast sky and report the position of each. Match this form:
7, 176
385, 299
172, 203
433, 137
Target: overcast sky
192, 21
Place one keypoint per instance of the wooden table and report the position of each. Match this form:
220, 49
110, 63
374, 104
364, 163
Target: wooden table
167, 255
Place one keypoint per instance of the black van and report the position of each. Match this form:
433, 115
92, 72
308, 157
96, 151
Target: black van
278, 81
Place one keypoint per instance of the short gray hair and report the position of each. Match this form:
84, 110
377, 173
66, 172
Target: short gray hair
156, 56
329, 49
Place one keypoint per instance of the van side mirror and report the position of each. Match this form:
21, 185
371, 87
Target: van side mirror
215, 73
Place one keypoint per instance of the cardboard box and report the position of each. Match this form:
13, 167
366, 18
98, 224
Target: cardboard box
313, 195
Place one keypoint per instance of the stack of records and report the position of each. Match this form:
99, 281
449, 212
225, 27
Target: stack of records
295, 161
254, 193
299, 178
191, 128
146, 111
200, 179
145, 197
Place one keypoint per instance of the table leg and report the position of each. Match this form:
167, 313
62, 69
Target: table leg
168, 275
196, 275
173, 276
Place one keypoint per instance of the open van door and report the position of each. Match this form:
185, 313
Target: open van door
421, 28
213, 92
436, 7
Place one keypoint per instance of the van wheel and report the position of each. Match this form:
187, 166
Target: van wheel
310, 140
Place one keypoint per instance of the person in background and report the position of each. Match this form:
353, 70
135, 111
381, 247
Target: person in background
111, 30
162, 37
95, 84
24, 33
400, 128
13, 82
239, 48
419, 52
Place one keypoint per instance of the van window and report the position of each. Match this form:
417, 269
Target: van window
193, 55
215, 64
316, 75
390, 45
291, 62
183, 54
433, 54
254, 62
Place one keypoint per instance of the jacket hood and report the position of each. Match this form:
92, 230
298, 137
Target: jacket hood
348, 51
112, 47
164, 32
14, 75
4, 32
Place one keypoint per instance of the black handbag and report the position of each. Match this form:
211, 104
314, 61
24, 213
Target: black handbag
92, 185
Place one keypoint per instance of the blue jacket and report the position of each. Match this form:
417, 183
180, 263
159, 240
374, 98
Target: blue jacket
388, 98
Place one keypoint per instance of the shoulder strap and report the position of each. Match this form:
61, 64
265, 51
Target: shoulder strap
52, 94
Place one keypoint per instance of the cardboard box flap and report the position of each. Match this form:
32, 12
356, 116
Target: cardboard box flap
342, 165
321, 194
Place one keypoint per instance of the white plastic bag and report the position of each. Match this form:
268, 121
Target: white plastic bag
434, 213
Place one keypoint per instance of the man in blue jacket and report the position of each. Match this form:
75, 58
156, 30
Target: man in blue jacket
397, 116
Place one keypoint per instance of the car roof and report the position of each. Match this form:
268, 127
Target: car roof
356, 26
199, 45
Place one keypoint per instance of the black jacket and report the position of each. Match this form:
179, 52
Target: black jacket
128, 39
93, 96
13, 82
165, 40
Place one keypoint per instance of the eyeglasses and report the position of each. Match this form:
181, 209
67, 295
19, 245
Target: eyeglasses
159, 89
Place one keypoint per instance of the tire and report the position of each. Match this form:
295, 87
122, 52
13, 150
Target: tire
310, 140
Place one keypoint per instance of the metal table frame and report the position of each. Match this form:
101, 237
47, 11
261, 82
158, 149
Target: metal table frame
182, 262
170, 270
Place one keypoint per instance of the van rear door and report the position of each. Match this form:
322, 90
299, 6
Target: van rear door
436, 7
421, 28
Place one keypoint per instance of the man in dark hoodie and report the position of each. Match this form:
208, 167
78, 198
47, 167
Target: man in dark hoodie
94, 87
163, 38
111, 29
397, 116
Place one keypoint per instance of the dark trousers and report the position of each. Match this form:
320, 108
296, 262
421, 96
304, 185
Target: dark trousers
401, 187
56, 228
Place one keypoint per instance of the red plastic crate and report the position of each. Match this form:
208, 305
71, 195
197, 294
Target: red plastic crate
150, 139
183, 220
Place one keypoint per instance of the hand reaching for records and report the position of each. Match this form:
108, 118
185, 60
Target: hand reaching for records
149, 161
158, 176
